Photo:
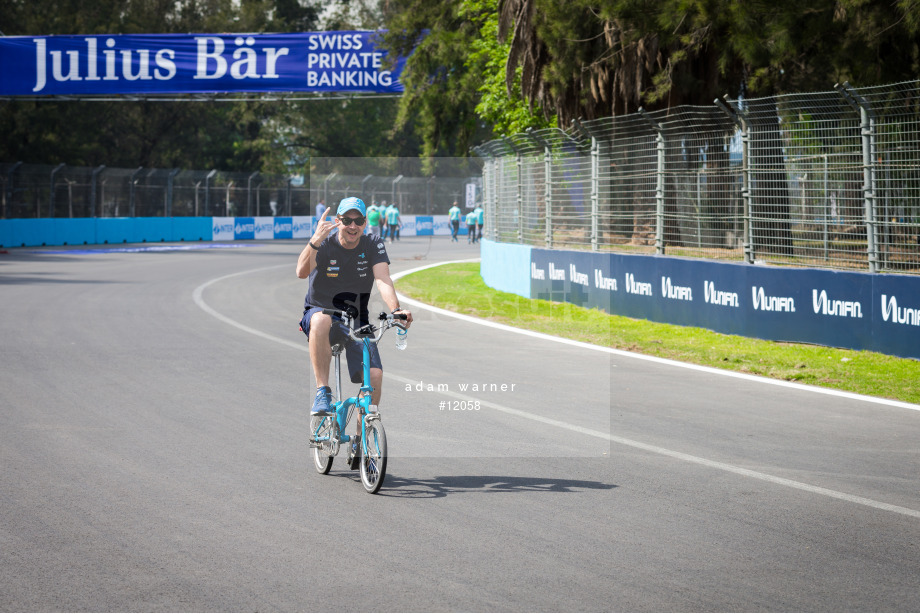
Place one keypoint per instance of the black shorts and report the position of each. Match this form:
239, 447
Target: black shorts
354, 352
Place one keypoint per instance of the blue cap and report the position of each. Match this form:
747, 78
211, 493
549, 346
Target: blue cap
350, 203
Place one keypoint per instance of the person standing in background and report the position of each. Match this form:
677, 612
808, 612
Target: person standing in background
393, 222
471, 227
454, 216
480, 220
373, 220
383, 220
320, 208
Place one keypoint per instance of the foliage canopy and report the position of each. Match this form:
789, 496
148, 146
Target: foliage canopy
476, 69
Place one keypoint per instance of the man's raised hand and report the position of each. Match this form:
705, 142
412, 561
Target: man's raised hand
323, 227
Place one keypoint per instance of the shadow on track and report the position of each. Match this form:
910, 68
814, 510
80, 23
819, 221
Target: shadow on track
441, 486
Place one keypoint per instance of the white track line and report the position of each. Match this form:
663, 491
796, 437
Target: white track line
198, 296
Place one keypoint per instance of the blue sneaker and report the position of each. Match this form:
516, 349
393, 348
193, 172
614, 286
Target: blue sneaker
322, 402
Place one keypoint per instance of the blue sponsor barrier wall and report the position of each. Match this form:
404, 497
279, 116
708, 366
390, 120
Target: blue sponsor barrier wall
244, 228
191, 228
424, 225
101, 231
834, 308
284, 228
117, 230
506, 267
92, 231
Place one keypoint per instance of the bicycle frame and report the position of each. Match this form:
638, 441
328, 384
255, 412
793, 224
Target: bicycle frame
344, 408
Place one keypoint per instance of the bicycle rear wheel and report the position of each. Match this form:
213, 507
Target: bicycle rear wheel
373, 456
322, 433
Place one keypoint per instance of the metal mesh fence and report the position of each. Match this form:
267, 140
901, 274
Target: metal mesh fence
412, 195
403, 181
45, 191
827, 179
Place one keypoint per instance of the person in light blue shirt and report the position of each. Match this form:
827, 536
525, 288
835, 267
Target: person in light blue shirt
480, 220
320, 207
453, 215
471, 227
393, 222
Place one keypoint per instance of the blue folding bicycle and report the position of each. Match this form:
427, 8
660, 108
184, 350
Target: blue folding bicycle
327, 433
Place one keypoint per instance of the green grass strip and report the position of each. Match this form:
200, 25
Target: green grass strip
459, 288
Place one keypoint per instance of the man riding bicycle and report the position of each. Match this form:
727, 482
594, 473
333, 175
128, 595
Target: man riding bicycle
343, 264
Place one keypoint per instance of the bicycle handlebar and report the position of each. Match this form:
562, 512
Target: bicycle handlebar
371, 332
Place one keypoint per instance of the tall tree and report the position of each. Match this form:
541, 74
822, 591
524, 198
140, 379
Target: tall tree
441, 89
507, 114
595, 58
585, 58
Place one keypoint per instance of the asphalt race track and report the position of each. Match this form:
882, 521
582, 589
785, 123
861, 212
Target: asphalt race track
153, 457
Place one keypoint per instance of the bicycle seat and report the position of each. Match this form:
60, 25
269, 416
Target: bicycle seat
337, 349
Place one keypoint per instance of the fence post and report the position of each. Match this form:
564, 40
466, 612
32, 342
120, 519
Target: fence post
548, 193
519, 159
51, 200
827, 213
170, 184
519, 187
660, 148
289, 194
489, 198
493, 192
867, 130
92, 190
131, 190
364, 190
393, 191
326, 188
249, 193
659, 192
8, 201
741, 124
207, 193
595, 192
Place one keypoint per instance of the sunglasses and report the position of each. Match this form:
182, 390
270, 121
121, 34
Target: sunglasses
357, 221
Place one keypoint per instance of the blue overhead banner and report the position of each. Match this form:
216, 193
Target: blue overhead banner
156, 64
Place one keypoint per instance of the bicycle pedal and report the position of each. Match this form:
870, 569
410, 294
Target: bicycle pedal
354, 461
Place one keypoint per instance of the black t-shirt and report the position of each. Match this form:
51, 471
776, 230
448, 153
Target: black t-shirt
344, 278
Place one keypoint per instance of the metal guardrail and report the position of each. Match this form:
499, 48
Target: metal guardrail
828, 179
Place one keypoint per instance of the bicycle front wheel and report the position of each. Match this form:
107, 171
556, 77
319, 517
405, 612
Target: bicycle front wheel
373, 456
321, 434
